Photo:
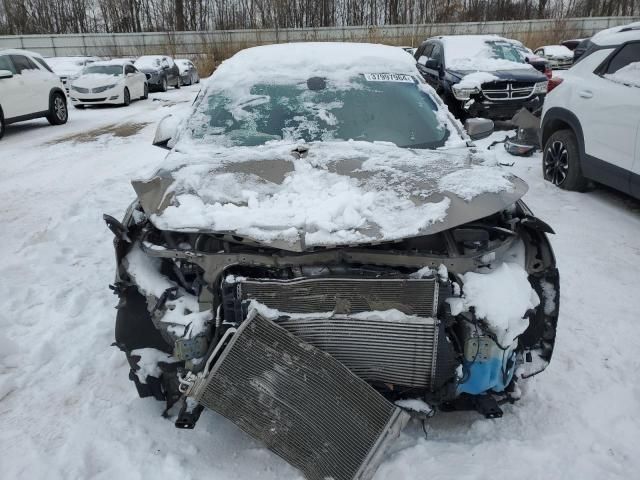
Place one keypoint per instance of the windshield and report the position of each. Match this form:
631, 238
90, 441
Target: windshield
368, 108
505, 51
115, 70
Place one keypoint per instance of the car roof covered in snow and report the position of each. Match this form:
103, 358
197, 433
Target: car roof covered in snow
472, 52
16, 51
116, 61
300, 61
617, 35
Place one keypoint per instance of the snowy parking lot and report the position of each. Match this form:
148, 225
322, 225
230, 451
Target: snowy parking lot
68, 410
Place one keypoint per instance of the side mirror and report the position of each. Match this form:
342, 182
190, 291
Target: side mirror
166, 132
423, 60
478, 128
6, 74
432, 64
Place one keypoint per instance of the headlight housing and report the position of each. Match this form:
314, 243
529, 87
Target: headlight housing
540, 88
103, 89
462, 93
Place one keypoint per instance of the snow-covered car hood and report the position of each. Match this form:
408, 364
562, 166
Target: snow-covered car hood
336, 193
528, 74
92, 80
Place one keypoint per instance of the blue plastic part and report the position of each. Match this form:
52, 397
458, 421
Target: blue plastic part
484, 376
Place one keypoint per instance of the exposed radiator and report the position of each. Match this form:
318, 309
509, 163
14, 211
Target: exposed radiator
330, 313
344, 294
301, 402
400, 353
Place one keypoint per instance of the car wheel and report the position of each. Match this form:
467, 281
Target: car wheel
145, 95
1, 124
127, 97
163, 85
561, 161
58, 113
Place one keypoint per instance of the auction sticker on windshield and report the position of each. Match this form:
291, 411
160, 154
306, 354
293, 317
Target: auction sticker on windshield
388, 77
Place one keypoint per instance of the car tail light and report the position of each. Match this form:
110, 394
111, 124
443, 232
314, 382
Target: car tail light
548, 72
553, 83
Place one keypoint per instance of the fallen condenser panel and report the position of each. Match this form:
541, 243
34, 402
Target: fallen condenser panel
305, 405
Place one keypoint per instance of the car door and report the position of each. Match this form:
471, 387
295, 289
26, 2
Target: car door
166, 68
434, 67
12, 92
132, 81
609, 112
141, 79
34, 84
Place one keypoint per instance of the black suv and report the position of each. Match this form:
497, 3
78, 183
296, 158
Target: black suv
499, 81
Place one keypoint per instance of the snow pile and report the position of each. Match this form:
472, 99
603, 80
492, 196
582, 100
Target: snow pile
470, 182
476, 79
557, 51
501, 297
148, 363
300, 61
182, 313
628, 75
390, 316
66, 66
473, 53
148, 62
416, 405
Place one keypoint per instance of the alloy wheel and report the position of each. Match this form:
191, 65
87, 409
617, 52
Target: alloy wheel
60, 108
556, 163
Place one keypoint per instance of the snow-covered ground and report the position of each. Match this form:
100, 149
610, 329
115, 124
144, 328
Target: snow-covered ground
68, 411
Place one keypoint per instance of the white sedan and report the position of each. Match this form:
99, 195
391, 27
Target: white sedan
115, 82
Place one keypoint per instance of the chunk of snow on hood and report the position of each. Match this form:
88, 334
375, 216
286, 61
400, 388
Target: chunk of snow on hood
476, 79
628, 75
339, 193
148, 363
501, 297
471, 182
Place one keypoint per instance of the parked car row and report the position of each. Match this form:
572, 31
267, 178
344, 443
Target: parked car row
32, 86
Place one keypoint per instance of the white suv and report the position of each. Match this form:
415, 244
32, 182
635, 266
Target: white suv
591, 118
29, 89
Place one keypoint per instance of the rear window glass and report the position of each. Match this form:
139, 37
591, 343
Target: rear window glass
22, 63
43, 63
630, 53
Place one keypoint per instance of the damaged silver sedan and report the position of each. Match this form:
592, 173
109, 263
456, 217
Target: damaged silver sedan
324, 254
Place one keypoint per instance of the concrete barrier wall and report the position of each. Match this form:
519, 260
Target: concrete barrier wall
196, 43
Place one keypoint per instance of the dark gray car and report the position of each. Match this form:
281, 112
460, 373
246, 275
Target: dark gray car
188, 71
324, 252
162, 72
